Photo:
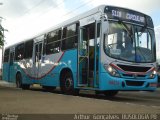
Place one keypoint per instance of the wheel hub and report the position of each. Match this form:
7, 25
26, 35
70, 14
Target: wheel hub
68, 83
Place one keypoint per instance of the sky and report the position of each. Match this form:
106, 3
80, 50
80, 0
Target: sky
26, 18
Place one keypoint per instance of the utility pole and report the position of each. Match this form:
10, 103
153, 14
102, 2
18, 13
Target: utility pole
1, 43
1, 47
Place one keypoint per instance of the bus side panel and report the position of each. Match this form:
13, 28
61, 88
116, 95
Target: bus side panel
26, 79
24, 68
12, 72
5, 75
51, 79
68, 60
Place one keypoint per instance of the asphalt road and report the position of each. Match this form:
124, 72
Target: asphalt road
38, 101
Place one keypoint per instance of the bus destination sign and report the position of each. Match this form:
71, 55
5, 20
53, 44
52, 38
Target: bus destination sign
125, 14
128, 16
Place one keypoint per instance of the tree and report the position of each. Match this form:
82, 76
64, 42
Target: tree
1, 39
1, 36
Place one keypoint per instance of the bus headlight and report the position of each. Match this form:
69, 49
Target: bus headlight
112, 71
152, 75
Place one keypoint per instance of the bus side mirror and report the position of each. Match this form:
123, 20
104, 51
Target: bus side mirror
105, 26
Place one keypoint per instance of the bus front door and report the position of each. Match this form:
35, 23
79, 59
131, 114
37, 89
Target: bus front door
88, 57
37, 59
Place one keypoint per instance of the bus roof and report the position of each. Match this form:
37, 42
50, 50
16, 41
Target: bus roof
73, 20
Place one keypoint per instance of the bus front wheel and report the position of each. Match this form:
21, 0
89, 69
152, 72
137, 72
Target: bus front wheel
67, 84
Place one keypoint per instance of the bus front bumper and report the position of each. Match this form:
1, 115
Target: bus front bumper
108, 82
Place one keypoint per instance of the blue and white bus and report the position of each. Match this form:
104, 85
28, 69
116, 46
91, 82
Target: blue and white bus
157, 34
107, 49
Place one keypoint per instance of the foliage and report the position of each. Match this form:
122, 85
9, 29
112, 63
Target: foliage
1, 39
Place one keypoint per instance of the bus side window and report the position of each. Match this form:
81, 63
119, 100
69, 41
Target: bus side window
52, 42
11, 58
6, 55
28, 49
44, 45
70, 36
19, 52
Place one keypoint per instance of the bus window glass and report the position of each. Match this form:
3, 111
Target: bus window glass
71, 30
19, 52
28, 49
53, 42
54, 36
70, 37
144, 44
6, 55
53, 48
130, 43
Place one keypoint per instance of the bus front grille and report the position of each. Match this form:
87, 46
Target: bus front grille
134, 76
133, 68
134, 83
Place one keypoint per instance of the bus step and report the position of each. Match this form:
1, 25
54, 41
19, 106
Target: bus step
82, 85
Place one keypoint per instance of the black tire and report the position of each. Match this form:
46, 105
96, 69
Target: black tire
18, 80
110, 93
67, 84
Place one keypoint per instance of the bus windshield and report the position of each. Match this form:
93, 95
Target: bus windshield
130, 42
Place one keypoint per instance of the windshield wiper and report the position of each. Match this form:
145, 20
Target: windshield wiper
126, 28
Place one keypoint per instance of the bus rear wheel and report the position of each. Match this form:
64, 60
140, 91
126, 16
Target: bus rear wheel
67, 84
110, 93
18, 80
